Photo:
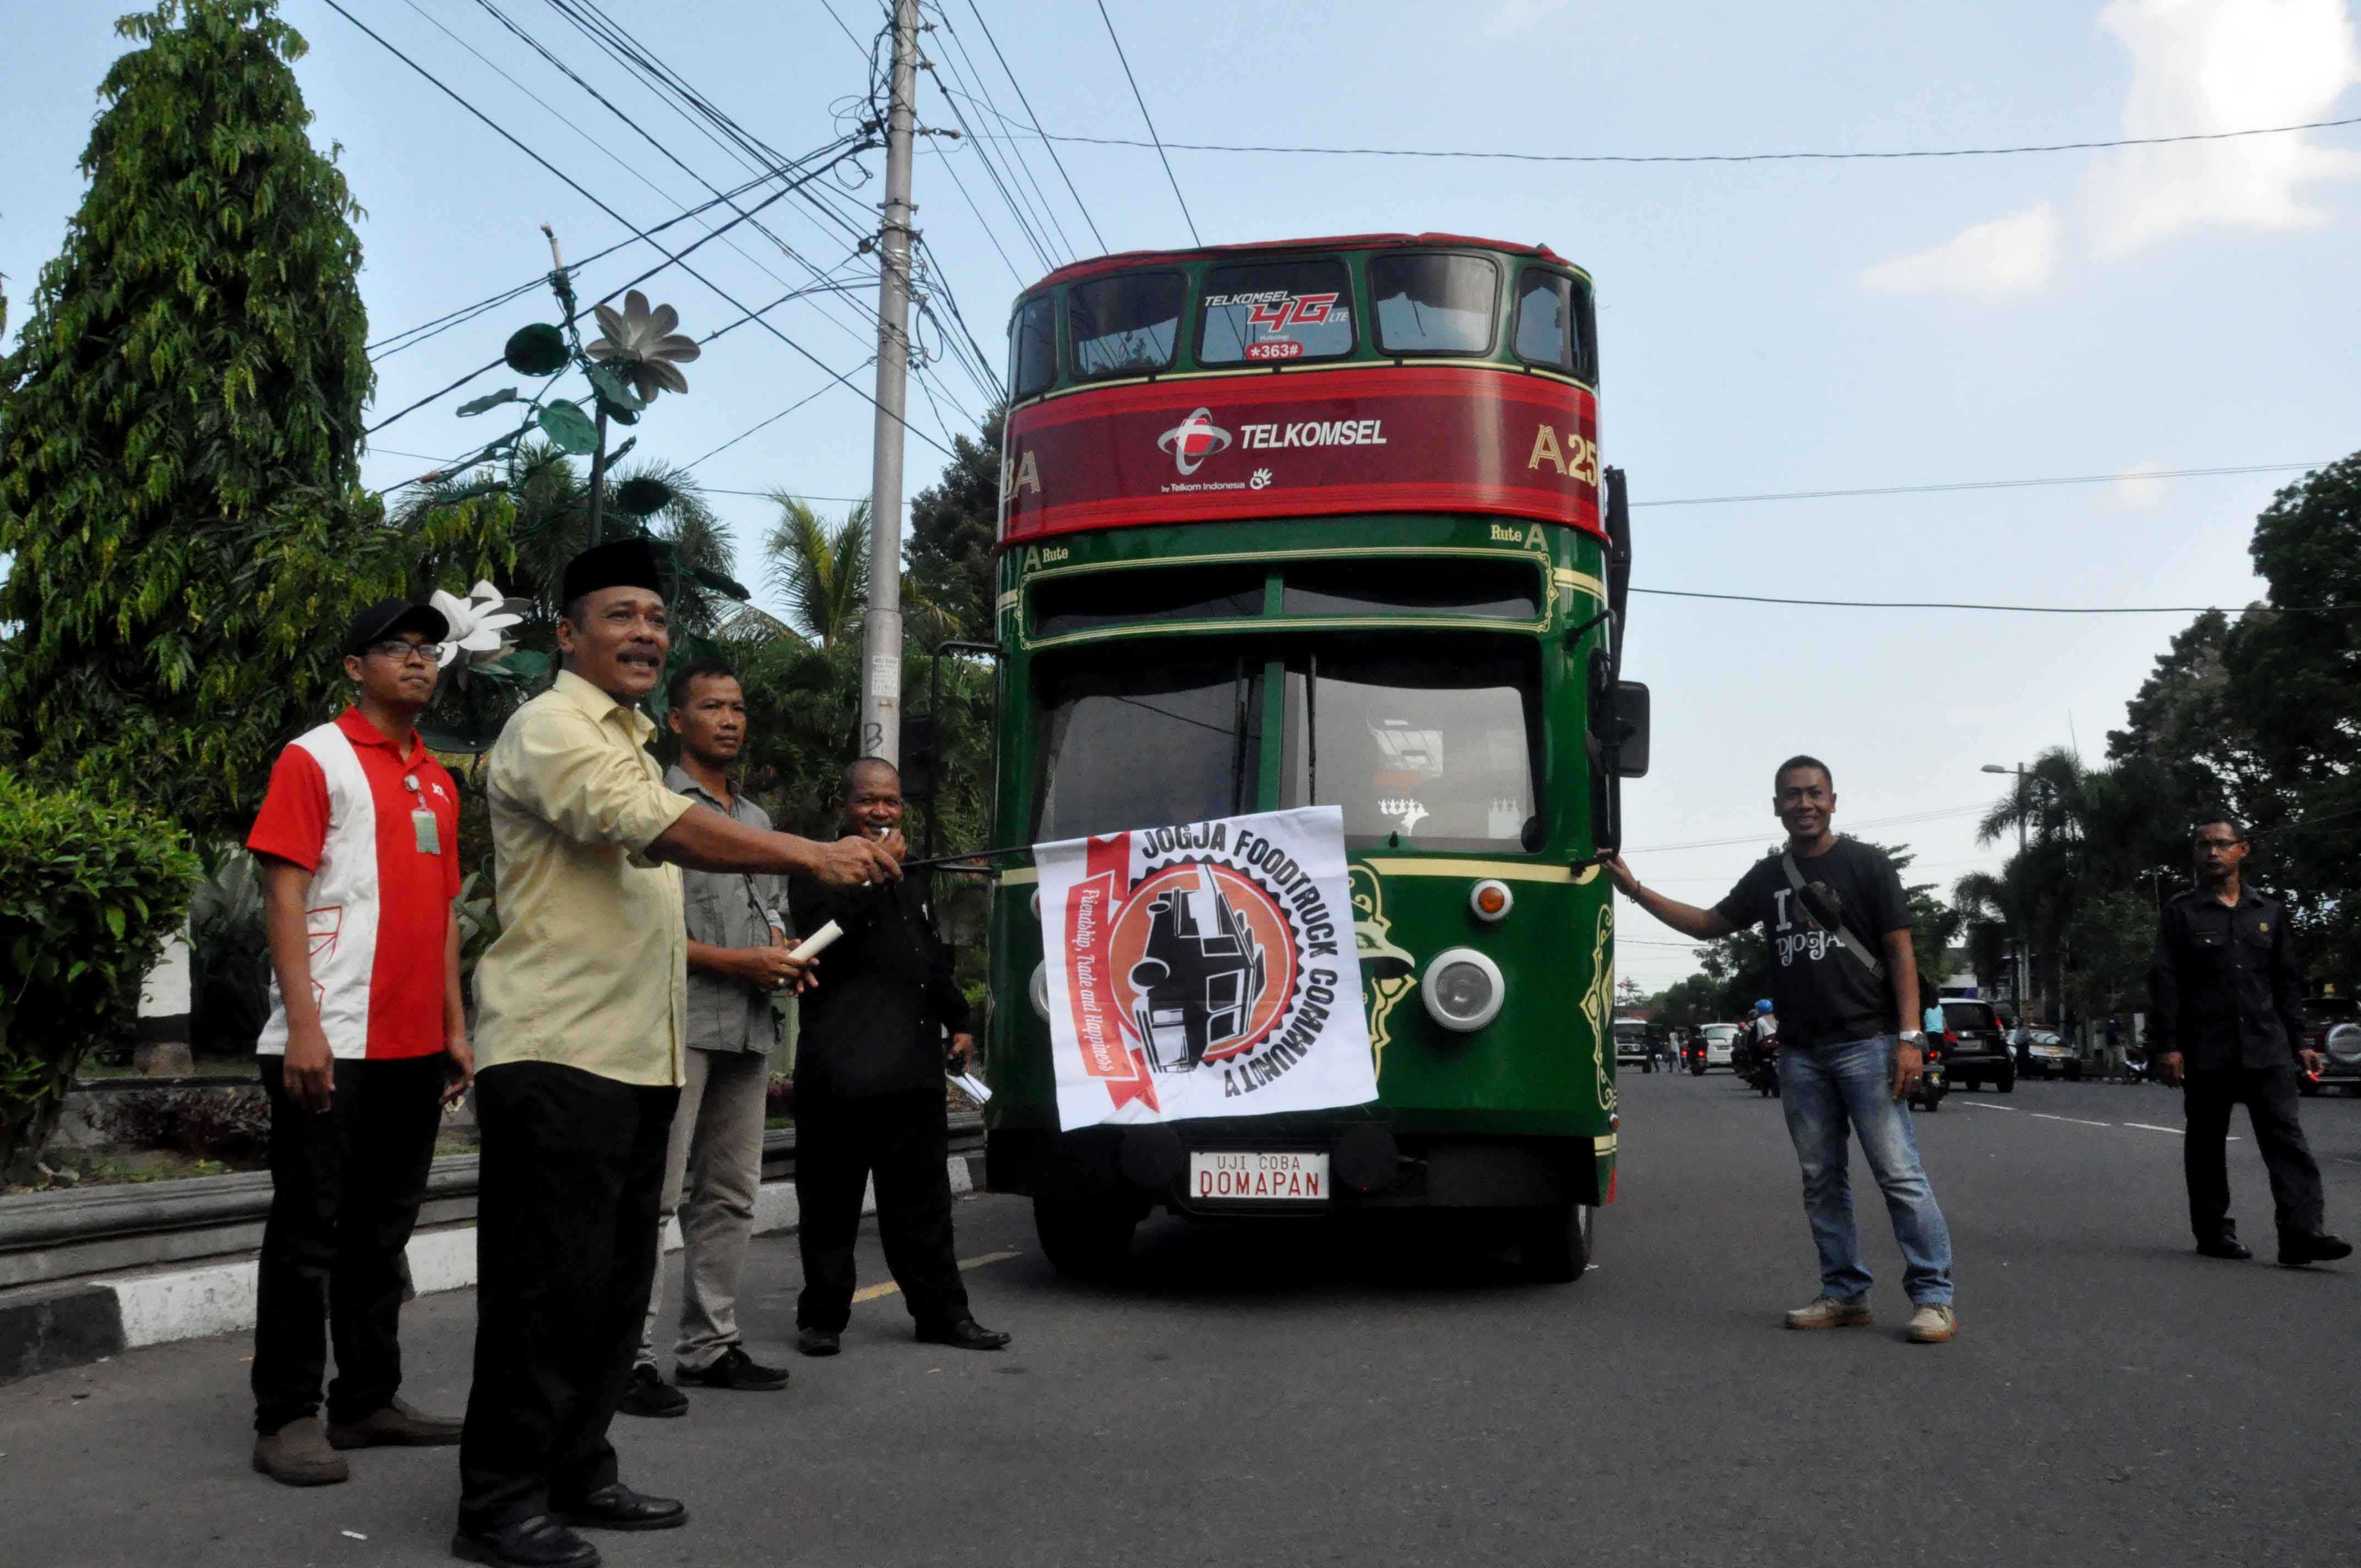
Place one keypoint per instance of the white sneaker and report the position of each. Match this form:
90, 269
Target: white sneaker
1933, 1323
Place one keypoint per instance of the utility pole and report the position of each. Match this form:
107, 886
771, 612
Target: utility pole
880, 636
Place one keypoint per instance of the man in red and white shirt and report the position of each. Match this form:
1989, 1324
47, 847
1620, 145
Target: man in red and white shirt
357, 840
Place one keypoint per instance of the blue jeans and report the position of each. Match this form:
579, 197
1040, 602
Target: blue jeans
1826, 1090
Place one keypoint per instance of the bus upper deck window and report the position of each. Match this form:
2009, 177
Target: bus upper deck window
1125, 326
1032, 347
1275, 310
1434, 304
1545, 334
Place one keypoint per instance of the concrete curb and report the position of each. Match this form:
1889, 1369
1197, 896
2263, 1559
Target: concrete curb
50, 1328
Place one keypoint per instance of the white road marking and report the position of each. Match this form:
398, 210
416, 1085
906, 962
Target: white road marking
2046, 1116
2152, 1127
1983, 1105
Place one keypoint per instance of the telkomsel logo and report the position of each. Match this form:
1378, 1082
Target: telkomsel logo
1193, 439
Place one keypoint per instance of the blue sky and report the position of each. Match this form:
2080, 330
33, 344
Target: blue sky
1764, 326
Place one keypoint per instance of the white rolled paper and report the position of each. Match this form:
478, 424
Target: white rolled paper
819, 942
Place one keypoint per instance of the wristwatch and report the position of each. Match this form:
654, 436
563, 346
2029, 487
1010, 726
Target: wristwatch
1912, 1037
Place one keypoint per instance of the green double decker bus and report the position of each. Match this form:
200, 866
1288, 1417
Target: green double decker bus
1323, 522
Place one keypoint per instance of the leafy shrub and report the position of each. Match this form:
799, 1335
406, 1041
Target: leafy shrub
229, 957
89, 893
230, 1125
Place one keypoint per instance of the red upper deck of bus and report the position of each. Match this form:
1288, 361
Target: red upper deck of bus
1351, 375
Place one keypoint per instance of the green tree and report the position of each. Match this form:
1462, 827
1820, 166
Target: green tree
954, 525
820, 570
179, 430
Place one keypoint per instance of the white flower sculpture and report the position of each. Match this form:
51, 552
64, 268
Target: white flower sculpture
477, 623
642, 342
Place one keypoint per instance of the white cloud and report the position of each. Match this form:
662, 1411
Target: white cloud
2221, 65
2004, 255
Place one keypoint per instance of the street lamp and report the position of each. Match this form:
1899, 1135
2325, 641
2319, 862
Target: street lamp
2022, 957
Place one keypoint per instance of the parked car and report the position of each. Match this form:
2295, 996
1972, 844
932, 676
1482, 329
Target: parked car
2052, 1057
2333, 1027
1975, 1047
1719, 1039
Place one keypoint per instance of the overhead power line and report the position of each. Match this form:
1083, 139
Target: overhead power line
1154, 140
1027, 104
726, 297
2015, 609
1982, 485
1162, 147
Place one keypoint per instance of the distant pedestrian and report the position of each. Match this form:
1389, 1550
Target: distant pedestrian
2228, 997
737, 960
869, 1091
358, 844
581, 1018
1839, 926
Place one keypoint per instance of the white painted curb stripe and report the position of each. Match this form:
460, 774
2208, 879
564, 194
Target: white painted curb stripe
194, 1303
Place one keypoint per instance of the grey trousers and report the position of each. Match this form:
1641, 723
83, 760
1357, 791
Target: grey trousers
716, 1151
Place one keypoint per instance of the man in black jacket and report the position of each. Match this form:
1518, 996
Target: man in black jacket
2228, 1003
869, 1091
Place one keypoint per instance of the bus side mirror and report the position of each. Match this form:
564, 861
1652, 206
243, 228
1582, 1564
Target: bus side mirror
1627, 747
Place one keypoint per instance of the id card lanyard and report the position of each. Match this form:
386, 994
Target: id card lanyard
422, 825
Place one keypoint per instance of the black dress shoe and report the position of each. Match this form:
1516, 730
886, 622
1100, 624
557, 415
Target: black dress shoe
617, 1507
2226, 1247
733, 1368
540, 1542
647, 1394
2298, 1248
817, 1342
965, 1335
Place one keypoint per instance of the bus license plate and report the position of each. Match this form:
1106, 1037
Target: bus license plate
1293, 1175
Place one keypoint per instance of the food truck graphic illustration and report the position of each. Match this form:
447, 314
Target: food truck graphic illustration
1198, 977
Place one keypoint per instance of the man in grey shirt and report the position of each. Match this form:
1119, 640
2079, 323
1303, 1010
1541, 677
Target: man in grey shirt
737, 960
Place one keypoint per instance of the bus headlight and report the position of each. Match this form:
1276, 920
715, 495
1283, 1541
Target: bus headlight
1464, 990
1490, 901
1037, 904
1038, 989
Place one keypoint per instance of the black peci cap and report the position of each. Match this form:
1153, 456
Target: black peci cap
618, 564
386, 616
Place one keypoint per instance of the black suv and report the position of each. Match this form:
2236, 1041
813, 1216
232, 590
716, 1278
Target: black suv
1975, 1047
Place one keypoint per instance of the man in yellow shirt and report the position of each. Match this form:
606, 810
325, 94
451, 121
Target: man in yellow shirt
580, 1016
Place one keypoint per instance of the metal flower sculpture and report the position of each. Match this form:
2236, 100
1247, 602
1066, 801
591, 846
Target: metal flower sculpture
478, 622
642, 345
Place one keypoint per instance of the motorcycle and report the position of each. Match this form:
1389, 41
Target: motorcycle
1929, 1096
1763, 1067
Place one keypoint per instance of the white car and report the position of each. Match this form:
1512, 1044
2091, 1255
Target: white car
1718, 1040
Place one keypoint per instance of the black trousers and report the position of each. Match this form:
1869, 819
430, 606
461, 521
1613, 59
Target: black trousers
566, 1248
346, 1184
2269, 1097
901, 1139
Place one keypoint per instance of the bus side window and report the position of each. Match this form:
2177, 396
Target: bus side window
1032, 347
1545, 319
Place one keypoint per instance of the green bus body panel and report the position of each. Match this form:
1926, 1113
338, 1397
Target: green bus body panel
1545, 1066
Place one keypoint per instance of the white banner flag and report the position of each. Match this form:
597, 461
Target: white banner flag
1206, 970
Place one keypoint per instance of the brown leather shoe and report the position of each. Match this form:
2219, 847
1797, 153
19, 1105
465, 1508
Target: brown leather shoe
1828, 1312
398, 1425
298, 1454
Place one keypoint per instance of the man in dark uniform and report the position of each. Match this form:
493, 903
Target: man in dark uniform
2228, 1012
869, 1090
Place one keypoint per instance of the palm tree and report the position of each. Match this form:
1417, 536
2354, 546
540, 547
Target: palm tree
819, 569
822, 570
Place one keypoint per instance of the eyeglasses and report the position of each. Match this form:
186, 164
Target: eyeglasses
405, 653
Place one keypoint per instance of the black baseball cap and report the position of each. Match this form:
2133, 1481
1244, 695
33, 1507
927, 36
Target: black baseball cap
386, 616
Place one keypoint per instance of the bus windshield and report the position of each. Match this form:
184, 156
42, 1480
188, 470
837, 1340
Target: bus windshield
1434, 745
1145, 740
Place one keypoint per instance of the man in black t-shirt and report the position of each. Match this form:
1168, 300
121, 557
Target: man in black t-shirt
1846, 989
